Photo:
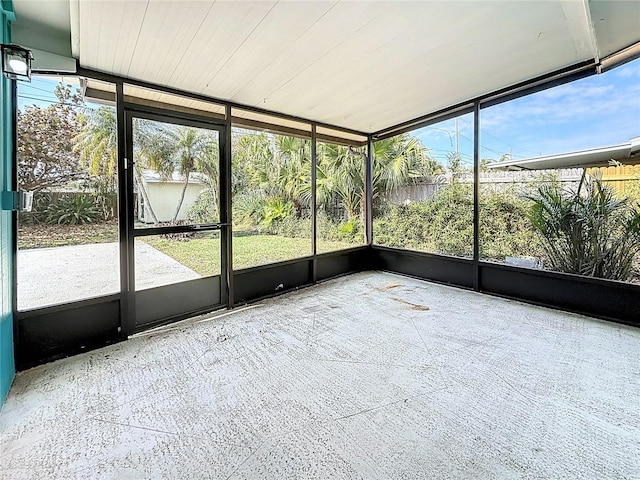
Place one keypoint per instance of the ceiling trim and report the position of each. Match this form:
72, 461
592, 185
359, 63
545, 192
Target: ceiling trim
620, 57
543, 82
74, 14
109, 77
425, 120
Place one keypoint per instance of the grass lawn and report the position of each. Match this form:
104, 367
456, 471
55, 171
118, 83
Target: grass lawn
202, 254
42, 236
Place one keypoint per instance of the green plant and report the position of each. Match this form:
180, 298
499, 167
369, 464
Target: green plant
587, 231
505, 230
444, 224
350, 230
291, 227
73, 210
274, 210
204, 208
38, 213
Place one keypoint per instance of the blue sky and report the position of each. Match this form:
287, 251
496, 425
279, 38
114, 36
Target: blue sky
38, 92
597, 111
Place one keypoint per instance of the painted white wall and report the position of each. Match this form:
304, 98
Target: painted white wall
164, 198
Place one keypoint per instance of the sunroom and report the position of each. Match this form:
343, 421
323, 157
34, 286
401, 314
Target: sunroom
372, 212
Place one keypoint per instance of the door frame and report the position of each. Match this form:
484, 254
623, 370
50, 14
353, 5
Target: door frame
163, 294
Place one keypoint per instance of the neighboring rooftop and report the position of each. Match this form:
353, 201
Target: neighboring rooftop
627, 153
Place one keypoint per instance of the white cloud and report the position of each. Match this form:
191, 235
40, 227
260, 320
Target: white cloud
590, 99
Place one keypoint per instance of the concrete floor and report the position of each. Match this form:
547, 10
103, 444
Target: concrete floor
49, 276
369, 376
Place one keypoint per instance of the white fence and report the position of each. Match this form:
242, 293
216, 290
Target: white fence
425, 190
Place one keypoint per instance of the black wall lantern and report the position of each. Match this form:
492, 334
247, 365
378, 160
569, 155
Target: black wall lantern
16, 62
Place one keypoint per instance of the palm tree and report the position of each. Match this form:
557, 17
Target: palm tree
279, 166
340, 172
293, 162
209, 165
397, 161
191, 146
253, 166
162, 148
167, 149
97, 140
97, 146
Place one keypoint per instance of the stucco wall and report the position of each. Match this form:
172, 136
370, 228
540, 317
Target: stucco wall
164, 197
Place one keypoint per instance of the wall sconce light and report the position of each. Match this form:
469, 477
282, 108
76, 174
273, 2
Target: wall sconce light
16, 62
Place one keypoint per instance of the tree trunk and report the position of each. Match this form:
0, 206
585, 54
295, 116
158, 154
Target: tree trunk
143, 191
184, 191
216, 206
363, 215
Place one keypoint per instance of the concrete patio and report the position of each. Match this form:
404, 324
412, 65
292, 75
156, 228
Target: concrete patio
372, 375
77, 272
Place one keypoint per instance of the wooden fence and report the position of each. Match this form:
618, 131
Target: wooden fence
498, 180
624, 178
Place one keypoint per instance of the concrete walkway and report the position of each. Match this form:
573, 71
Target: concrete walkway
372, 376
49, 276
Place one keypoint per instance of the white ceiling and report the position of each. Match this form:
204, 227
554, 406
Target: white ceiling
362, 65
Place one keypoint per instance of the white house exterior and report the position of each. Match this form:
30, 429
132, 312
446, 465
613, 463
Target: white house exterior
164, 195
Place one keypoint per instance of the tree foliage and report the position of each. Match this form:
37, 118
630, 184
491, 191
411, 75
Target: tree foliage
96, 142
163, 148
45, 150
169, 150
444, 224
272, 166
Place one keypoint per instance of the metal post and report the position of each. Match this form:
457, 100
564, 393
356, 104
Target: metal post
314, 163
368, 189
124, 135
14, 215
226, 233
476, 195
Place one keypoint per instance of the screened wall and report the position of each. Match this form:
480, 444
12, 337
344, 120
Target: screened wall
66, 156
264, 203
577, 218
550, 212
423, 188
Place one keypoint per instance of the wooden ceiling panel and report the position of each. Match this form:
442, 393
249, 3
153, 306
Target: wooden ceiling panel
616, 24
227, 27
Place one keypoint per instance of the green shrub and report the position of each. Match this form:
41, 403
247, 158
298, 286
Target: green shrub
38, 213
588, 231
444, 224
204, 209
327, 229
248, 207
274, 209
291, 227
505, 229
76, 209
261, 211
350, 231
